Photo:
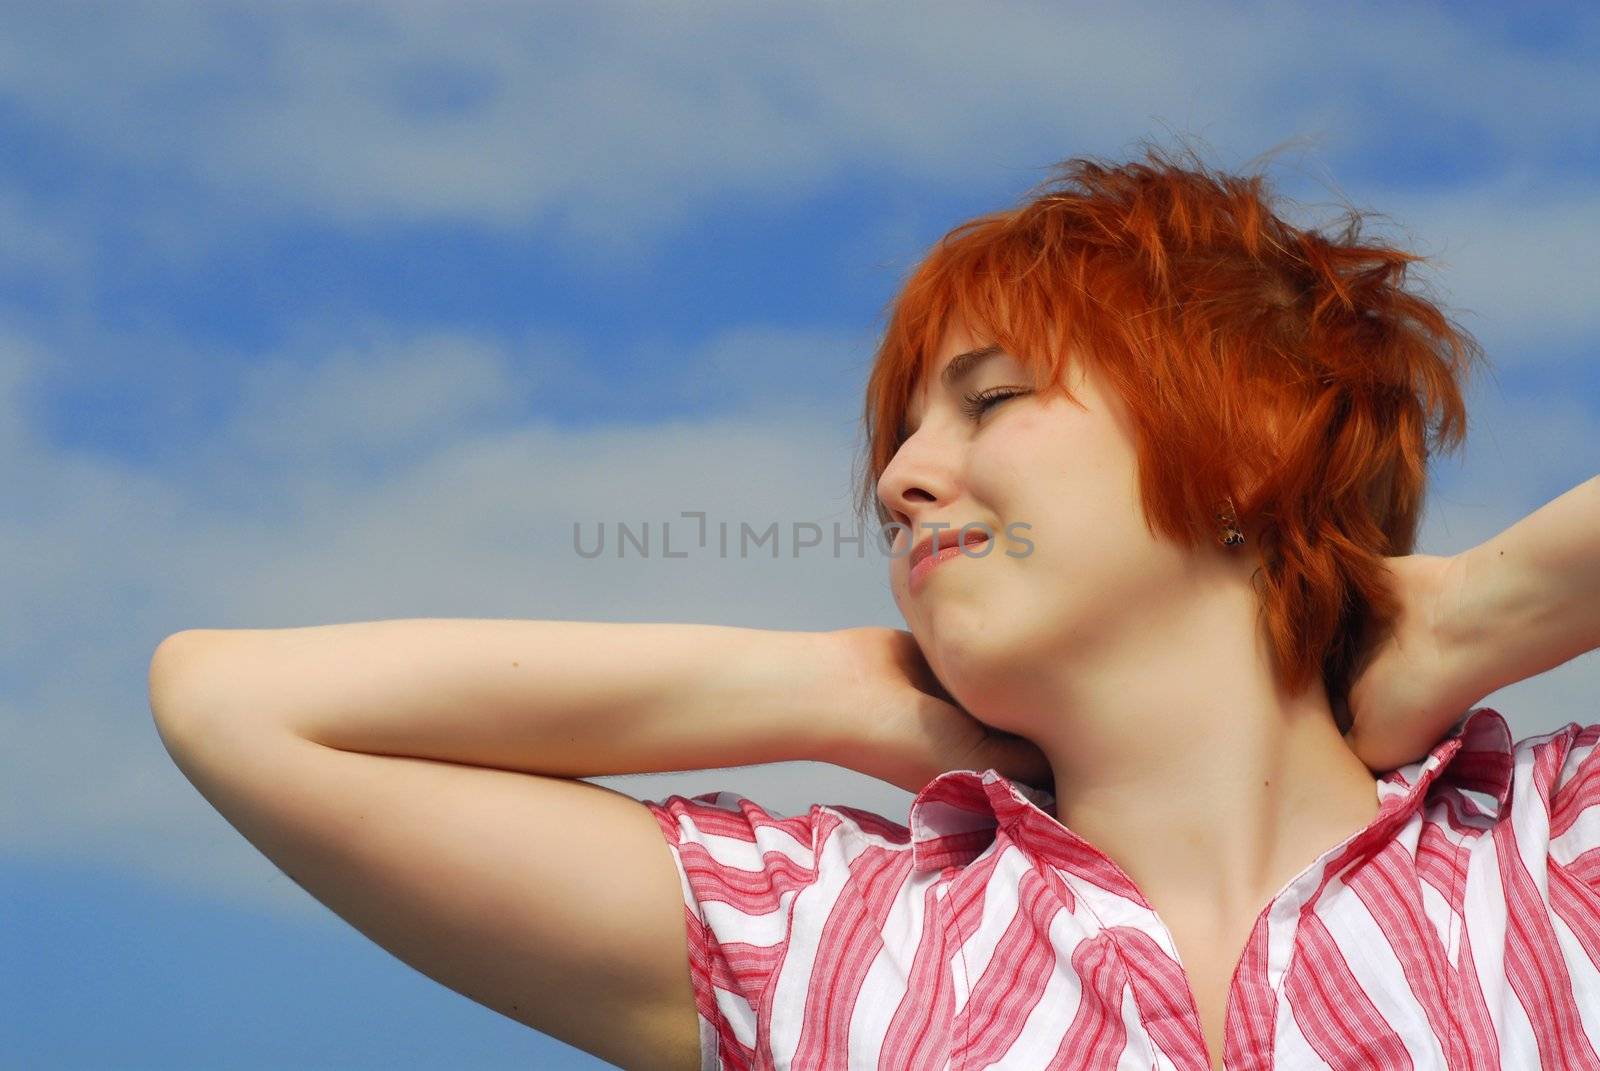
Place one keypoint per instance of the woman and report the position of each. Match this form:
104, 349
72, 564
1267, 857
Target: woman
1141, 833
1099, 366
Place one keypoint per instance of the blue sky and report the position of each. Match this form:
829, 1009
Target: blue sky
315, 313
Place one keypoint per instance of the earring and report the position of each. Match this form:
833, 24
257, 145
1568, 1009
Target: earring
1231, 535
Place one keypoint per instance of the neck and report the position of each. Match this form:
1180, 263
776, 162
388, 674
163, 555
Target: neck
1206, 783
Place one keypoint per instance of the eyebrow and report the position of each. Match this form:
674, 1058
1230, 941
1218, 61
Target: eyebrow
960, 366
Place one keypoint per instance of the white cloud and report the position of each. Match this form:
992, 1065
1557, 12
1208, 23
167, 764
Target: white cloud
618, 119
473, 518
372, 396
1514, 257
364, 471
278, 517
608, 127
42, 239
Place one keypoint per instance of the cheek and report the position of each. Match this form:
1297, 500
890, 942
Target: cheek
1035, 443
1006, 465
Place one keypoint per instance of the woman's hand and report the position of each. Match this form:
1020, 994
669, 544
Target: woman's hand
1410, 686
907, 729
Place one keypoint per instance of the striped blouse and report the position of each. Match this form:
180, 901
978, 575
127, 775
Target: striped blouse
1461, 929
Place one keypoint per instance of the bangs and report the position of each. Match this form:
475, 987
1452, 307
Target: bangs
984, 275
1291, 370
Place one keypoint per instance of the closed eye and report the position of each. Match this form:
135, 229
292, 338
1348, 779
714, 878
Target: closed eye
975, 405
972, 406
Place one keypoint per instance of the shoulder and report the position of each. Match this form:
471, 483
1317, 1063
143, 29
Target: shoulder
1557, 768
729, 814
1563, 769
724, 839
1549, 783
1537, 790
762, 894
735, 830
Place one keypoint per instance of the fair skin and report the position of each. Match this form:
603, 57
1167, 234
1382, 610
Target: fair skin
1137, 667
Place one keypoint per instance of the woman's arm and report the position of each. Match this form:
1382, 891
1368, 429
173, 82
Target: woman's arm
1528, 599
1518, 604
559, 698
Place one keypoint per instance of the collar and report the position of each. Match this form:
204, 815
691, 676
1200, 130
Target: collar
957, 816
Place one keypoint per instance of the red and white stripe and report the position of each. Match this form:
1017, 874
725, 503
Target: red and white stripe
1461, 930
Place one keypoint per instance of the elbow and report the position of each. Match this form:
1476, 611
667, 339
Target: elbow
174, 696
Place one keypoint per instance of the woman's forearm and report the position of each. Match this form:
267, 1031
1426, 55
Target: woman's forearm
1529, 597
560, 698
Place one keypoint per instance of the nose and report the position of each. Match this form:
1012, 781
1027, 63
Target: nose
916, 481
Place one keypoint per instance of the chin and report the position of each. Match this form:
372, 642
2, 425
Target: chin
983, 658
973, 619
978, 662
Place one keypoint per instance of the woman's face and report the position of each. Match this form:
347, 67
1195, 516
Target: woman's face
1056, 486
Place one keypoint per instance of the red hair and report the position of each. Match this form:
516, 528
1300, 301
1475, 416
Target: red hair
1289, 369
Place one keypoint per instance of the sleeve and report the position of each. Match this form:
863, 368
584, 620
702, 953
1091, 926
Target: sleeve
741, 867
1573, 759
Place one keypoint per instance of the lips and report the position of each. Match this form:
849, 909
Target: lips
947, 538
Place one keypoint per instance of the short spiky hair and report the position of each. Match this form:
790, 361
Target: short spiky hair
1288, 368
